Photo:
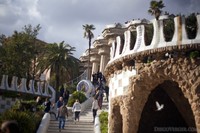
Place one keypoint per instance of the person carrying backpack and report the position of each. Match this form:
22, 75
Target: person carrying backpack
63, 112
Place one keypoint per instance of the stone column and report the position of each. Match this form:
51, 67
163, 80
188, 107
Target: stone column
95, 59
104, 61
104, 52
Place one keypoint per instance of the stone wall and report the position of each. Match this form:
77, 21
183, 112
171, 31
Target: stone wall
6, 103
127, 109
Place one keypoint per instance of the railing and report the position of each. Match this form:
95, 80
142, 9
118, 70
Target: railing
40, 88
79, 78
158, 41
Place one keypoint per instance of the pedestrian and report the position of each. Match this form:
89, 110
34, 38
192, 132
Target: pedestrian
63, 111
10, 126
76, 109
62, 90
107, 93
39, 101
66, 96
59, 103
95, 107
47, 105
99, 96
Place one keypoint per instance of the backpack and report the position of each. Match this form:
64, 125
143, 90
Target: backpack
63, 111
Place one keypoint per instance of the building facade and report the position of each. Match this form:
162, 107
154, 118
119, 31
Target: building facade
141, 74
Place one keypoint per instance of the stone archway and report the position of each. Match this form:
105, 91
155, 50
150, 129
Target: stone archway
175, 116
183, 71
116, 121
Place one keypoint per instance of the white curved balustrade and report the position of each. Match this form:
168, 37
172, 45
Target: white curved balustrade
39, 89
158, 41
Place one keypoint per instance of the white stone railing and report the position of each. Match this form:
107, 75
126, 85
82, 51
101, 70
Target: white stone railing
30, 87
44, 124
86, 104
158, 40
97, 125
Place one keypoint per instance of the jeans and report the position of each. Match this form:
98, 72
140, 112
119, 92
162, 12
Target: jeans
61, 122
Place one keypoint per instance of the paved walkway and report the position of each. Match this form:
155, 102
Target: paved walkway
84, 125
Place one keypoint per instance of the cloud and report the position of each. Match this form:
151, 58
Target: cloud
62, 20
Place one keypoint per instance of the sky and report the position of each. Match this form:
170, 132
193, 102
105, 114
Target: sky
62, 20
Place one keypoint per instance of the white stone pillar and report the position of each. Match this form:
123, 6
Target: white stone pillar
95, 67
103, 62
95, 59
104, 51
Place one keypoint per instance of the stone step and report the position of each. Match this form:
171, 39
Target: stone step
83, 128
68, 131
72, 127
84, 125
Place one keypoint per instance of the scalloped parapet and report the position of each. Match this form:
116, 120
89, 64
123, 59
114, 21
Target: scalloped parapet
23, 88
120, 49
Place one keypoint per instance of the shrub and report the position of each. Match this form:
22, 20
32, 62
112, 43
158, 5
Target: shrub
194, 54
76, 95
71, 88
30, 105
103, 118
28, 122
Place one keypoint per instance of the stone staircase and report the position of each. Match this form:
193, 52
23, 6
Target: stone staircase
84, 125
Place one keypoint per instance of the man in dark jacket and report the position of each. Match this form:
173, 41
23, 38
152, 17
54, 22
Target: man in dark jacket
63, 112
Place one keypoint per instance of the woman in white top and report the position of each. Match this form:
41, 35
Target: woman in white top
76, 109
95, 107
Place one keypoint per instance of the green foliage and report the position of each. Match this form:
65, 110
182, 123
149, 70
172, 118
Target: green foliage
194, 54
133, 39
58, 57
191, 26
71, 88
28, 122
103, 118
14, 94
10, 94
27, 105
76, 95
148, 34
156, 8
18, 51
168, 28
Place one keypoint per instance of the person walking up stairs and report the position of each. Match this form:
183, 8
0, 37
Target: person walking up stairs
84, 125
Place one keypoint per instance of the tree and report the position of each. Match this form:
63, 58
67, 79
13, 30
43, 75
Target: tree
58, 58
18, 52
33, 32
89, 35
155, 8
191, 26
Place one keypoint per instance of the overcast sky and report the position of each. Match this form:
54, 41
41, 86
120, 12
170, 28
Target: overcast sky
62, 20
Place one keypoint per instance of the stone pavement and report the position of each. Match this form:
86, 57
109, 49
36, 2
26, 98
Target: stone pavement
84, 125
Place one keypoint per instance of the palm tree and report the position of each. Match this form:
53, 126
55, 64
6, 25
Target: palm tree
155, 8
58, 58
89, 35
